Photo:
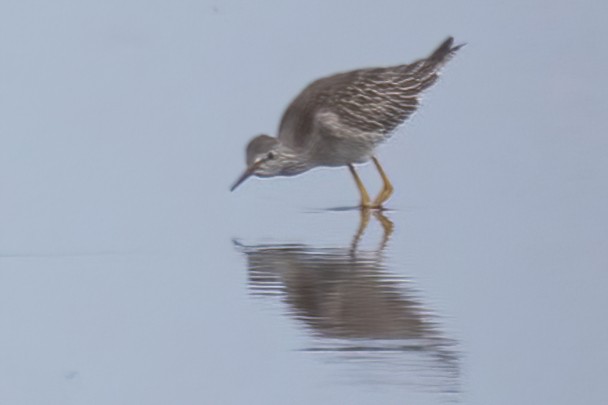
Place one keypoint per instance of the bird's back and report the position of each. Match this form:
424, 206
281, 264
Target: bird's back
361, 103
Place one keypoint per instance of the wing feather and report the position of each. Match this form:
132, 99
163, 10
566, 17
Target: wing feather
366, 101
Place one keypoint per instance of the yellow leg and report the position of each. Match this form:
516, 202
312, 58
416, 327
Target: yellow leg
365, 201
387, 188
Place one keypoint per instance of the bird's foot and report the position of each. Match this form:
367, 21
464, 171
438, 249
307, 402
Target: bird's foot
371, 206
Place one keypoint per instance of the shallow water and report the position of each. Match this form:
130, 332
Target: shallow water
359, 316
130, 274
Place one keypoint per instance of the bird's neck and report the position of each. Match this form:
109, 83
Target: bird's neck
294, 162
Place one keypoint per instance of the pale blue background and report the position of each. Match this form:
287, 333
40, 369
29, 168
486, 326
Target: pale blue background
123, 123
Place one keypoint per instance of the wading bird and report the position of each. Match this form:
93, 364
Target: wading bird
339, 120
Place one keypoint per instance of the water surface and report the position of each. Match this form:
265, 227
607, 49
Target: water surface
130, 275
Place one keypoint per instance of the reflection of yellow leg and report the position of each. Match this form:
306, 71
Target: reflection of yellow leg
387, 187
364, 220
387, 226
365, 201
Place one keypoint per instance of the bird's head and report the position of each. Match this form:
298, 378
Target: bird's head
264, 159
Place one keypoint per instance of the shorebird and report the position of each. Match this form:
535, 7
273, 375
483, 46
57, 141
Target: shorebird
339, 120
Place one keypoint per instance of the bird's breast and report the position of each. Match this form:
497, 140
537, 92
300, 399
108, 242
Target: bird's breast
338, 151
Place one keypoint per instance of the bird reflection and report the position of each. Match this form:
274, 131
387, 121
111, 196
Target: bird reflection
354, 308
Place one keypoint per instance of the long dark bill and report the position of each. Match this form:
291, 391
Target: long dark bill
250, 170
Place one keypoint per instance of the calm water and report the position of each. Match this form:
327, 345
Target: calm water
359, 315
130, 275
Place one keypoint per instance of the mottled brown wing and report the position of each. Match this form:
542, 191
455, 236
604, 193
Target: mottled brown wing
372, 101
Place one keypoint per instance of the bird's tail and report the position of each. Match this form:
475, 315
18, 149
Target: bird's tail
443, 53
426, 70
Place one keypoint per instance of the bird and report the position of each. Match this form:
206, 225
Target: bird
339, 120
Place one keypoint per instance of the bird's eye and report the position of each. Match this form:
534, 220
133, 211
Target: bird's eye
270, 155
